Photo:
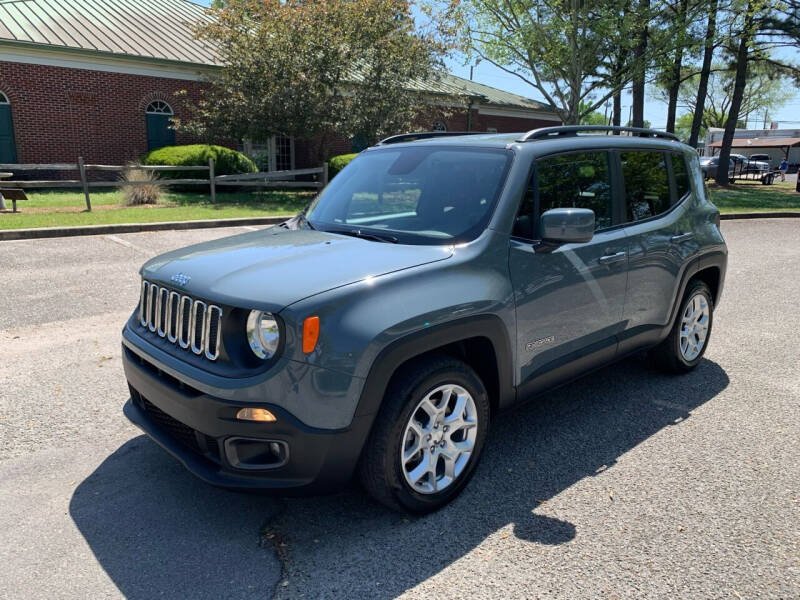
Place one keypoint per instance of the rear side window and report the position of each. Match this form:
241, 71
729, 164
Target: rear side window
579, 180
646, 184
681, 174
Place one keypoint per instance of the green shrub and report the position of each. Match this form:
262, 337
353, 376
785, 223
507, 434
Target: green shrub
226, 161
337, 163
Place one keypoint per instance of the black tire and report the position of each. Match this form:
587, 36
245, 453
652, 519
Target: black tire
380, 470
667, 356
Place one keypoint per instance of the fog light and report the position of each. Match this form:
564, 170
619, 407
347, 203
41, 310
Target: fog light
255, 414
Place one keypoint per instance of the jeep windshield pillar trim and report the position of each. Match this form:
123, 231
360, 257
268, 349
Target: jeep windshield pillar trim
436, 281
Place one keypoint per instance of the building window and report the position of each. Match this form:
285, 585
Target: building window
158, 107
276, 154
439, 126
8, 148
159, 130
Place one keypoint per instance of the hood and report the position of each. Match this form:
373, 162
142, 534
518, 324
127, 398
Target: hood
273, 268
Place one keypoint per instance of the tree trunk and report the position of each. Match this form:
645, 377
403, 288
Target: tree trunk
640, 67
736, 101
675, 76
616, 118
705, 73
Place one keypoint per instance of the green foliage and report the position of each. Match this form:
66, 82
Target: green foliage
764, 91
575, 54
312, 69
226, 160
337, 163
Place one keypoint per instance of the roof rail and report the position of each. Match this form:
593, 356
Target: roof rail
423, 135
573, 130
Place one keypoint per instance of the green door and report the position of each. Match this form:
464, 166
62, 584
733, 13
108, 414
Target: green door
158, 132
8, 150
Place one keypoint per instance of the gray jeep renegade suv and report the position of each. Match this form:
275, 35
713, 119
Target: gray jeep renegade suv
437, 280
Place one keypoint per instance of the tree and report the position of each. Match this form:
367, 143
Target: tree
763, 91
758, 27
576, 54
679, 34
309, 69
709, 45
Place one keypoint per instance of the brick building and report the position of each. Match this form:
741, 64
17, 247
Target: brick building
98, 80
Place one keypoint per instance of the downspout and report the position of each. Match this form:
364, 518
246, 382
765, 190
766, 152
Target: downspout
469, 114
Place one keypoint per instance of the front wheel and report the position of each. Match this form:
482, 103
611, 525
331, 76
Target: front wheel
428, 437
686, 343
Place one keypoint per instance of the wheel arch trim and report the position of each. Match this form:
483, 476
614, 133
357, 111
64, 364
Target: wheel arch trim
415, 344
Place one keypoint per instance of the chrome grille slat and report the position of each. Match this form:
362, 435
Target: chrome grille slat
143, 304
198, 326
184, 327
173, 305
189, 323
161, 309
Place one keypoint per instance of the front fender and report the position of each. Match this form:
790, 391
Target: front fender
360, 322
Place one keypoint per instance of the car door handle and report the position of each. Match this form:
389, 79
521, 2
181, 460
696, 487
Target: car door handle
681, 237
612, 258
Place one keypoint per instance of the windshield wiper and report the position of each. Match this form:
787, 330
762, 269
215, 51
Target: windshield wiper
377, 237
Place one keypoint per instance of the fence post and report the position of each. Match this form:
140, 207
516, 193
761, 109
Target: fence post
85, 183
212, 182
324, 174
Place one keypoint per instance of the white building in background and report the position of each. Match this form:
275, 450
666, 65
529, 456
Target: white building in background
777, 143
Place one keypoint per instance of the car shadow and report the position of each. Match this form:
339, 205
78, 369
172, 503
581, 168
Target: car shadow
160, 532
154, 528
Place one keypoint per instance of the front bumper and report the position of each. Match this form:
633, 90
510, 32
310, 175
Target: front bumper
198, 430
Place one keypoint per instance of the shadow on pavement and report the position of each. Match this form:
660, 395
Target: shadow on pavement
156, 530
159, 532
346, 546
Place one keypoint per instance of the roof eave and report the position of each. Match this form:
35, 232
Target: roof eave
111, 55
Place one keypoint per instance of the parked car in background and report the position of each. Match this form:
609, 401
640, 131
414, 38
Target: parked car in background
762, 158
739, 167
436, 281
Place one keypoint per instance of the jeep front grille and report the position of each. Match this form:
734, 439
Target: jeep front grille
189, 323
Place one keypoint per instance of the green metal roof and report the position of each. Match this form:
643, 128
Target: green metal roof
156, 29
160, 30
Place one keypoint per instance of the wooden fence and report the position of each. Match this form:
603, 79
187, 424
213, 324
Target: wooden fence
263, 179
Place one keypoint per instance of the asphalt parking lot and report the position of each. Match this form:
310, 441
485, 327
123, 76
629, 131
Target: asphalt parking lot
626, 484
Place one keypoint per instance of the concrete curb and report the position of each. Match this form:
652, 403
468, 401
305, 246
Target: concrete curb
52, 232
760, 215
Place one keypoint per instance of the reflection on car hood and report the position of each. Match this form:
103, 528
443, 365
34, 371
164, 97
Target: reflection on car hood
273, 268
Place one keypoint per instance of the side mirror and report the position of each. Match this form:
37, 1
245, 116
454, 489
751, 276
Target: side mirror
560, 226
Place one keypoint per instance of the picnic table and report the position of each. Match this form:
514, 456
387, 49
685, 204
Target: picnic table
12, 194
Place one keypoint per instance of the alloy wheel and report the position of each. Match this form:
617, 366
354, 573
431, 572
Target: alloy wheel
439, 439
694, 327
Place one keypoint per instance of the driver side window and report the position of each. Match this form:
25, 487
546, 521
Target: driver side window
574, 180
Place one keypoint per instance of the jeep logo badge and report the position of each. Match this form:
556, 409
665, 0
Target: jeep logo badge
180, 278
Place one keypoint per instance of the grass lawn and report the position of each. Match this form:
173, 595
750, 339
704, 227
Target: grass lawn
51, 208
59, 208
751, 196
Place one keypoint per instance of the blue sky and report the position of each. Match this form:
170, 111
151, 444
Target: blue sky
655, 111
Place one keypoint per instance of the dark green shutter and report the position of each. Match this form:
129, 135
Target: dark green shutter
8, 150
158, 132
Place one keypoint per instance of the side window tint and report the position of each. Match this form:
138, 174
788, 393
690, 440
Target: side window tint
523, 224
579, 180
646, 184
681, 174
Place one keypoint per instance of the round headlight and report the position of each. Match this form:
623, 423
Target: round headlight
263, 334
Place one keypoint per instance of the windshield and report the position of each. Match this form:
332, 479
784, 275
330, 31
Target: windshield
414, 195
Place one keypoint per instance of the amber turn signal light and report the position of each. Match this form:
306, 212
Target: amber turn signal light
256, 414
310, 334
